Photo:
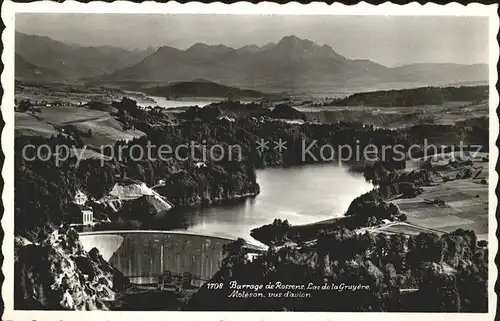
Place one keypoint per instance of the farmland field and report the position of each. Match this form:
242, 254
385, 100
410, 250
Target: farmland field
406, 228
30, 125
449, 113
49, 121
465, 205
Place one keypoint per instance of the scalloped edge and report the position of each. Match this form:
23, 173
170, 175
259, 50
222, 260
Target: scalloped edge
9, 9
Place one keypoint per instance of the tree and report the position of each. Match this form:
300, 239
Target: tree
24, 105
124, 118
235, 253
482, 243
439, 289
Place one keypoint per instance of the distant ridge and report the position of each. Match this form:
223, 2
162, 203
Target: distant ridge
415, 97
203, 88
27, 71
64, 61
292, 64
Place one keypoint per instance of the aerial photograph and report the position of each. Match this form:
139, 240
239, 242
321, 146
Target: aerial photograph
211, 162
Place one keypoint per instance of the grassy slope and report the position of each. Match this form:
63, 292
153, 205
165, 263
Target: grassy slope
105, 128
27, 124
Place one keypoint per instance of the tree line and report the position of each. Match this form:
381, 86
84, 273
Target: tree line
421, 273
415, 97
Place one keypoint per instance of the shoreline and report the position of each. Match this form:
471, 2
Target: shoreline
435, 194
202, 204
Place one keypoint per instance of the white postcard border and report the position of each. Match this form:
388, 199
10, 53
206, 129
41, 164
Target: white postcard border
8, 16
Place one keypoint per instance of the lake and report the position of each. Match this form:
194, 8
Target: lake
165, 103
302, 195
182, 102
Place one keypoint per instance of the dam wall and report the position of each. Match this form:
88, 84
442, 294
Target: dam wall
143, 256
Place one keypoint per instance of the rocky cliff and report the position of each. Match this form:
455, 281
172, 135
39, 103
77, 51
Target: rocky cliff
123, 195
56, 273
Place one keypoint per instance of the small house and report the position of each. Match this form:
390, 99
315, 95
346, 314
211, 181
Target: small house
200, 165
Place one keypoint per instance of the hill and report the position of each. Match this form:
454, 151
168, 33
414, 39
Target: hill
442, 73
415, 97
55, 59
27, 71
292, 62
203, 88
284, 111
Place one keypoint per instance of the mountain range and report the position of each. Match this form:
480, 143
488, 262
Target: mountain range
290, 64
42, 58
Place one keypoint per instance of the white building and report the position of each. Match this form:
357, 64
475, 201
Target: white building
87, 217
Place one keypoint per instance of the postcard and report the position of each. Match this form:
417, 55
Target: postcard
165, 160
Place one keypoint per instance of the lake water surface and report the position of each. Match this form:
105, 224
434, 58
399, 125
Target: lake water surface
165, 103
183, 102
302, 195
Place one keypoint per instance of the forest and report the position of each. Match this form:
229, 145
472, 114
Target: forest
415, 97
45, 190
422, 273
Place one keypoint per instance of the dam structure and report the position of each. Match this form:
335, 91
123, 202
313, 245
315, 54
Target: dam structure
144, 255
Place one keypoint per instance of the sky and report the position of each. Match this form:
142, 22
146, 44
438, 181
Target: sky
390, 41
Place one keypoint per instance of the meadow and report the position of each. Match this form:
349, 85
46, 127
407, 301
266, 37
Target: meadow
462, 203
103, 126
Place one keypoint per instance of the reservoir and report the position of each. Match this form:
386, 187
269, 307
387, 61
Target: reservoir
166, 103
195, 239
185, 102
301, 195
